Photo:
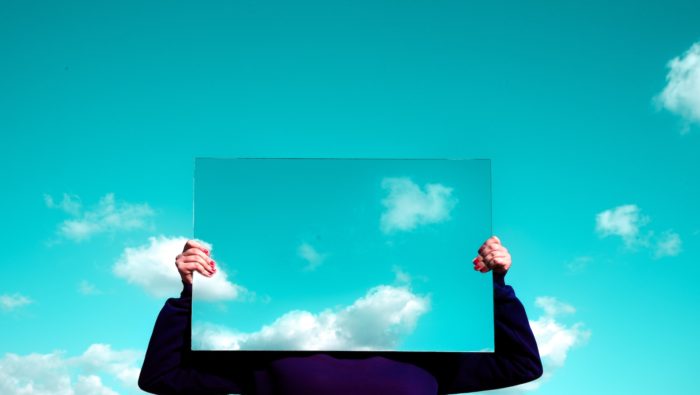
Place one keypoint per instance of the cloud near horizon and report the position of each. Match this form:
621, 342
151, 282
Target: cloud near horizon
106, 217
55, 374
152, 267
407, 206
378, 320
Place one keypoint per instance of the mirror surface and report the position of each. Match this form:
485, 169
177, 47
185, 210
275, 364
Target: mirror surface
343, 254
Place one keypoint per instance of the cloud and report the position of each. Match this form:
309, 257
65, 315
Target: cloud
152, 267
378, 320
15, 301
313, 258
669, 244
682, 92
407, 206
623, 221
578, 264
124, 365
54, 374
626, 221
554, 340
87, 288
70, 203
107, 217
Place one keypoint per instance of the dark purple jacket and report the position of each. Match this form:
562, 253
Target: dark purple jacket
169, 366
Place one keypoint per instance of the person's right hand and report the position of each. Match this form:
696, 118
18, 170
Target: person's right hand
194, 257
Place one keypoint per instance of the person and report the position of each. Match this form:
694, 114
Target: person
170, 367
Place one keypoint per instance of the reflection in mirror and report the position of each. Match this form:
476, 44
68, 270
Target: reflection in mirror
343, 254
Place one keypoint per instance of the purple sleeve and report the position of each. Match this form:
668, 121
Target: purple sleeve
168, 368
516, 359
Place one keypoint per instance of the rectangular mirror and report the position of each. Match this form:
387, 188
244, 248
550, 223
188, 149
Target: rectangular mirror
343, 255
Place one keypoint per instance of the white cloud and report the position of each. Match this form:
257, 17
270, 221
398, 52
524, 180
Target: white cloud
378, 320
312, 257
668, 245
554, 340
407, 206
14, 301
626, 221
54, 374
123, 365
92, 385
152, 267
108, 216
623, 221
682, 92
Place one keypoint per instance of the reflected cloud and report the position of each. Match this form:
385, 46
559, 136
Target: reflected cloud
376, 321
408, 206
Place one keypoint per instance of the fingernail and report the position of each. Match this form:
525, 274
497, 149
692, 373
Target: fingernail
475, 260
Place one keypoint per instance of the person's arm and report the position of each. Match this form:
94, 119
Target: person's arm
167, 367
516, 359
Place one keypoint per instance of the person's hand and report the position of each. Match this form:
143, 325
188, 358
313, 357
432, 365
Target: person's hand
194, 257
492, 256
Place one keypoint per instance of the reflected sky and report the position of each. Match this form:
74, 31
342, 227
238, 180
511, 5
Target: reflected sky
342, 254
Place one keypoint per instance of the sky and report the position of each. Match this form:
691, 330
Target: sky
588, 111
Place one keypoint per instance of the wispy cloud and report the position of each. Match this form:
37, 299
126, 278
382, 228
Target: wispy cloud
312, 257
626, 222
87, 288
623, 221
14, 301
554, 340
682, 92
578, 264
376, 321
70, 203
669, 244
408, 206
53, 373
152, 267
106, 217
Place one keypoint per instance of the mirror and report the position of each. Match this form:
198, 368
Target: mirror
343, 254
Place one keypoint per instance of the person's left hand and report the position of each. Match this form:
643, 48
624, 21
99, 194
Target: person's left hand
492, 256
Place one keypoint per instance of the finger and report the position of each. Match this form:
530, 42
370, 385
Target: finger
495, 254
198, 252
490, 243
502, 263
493, 248
195, 244
198, 259
197, 267
480, 265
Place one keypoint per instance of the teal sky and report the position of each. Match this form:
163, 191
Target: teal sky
594, 174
